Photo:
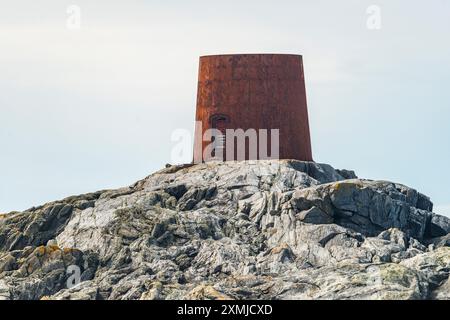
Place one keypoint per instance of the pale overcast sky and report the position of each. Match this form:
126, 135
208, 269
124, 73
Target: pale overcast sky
94, 108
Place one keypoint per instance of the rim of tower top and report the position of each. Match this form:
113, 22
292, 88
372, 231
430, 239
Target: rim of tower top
251, 54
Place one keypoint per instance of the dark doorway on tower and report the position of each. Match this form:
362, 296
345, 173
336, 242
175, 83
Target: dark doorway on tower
219, 122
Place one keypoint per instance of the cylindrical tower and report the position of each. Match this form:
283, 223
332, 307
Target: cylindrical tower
254, 91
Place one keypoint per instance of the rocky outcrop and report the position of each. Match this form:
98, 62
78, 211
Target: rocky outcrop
234, 230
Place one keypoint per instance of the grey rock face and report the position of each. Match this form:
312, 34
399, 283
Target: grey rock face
438, 226
234, 230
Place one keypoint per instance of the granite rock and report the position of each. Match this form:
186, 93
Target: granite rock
236, 230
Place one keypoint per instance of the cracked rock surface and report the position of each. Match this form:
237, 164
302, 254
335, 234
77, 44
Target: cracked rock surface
235, 230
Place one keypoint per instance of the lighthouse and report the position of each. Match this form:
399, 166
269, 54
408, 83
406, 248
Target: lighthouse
262, 93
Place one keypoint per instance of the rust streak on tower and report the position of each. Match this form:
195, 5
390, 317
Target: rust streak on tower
259, 91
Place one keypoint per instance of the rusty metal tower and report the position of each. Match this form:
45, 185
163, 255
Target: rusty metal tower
259, 91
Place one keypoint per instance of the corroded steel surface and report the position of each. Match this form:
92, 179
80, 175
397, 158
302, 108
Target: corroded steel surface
259, 91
